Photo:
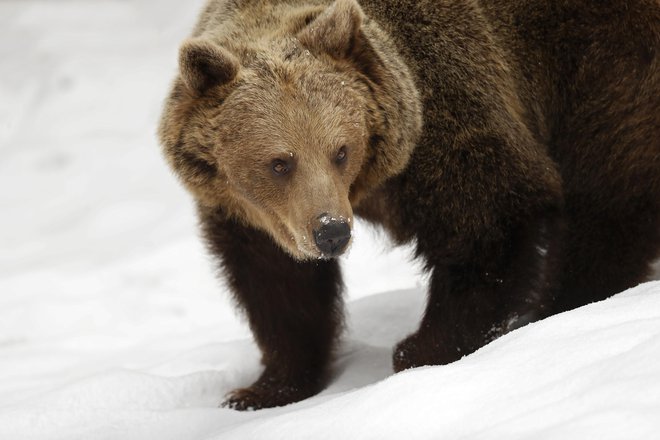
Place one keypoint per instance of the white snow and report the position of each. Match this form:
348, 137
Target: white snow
113, 325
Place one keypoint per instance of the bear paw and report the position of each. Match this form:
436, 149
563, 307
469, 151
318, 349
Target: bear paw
417, 350
259, 396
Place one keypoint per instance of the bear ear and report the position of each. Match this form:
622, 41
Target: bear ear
204, 64
335, 30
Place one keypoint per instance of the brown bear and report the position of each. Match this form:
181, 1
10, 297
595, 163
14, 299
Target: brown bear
515, 143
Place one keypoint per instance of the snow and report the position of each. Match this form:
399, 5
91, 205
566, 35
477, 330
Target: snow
113, 324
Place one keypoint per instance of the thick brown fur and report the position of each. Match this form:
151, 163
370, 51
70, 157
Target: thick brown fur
516, 143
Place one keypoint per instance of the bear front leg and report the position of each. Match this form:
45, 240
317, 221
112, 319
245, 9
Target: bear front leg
293, 308
471, 302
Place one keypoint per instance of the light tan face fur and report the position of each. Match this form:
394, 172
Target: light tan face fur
296, 86
300, 115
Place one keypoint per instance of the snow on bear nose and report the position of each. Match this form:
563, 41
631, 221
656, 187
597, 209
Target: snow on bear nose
332, 235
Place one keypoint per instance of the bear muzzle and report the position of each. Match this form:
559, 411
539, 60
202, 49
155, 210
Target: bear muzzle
331, 235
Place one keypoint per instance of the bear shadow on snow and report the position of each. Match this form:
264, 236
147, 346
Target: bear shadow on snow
515, 143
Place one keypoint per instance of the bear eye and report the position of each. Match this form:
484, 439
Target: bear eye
341, 155
280, 167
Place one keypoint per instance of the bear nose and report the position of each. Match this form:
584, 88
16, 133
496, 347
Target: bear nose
331, 236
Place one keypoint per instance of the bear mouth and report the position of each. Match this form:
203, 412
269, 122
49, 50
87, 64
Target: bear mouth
306, 248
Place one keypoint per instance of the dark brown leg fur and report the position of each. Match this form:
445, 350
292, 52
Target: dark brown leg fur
293, 308
609, 151
607, 250
505, 287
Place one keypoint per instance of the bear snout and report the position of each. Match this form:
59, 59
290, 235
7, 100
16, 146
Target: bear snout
331, 235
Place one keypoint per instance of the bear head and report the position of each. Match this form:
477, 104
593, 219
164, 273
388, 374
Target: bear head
278, 126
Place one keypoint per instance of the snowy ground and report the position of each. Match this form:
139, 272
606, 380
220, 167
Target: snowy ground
112, 325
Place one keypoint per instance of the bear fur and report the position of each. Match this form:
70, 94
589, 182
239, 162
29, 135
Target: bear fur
515, 143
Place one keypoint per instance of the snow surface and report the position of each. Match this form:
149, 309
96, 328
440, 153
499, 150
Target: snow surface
113, 325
